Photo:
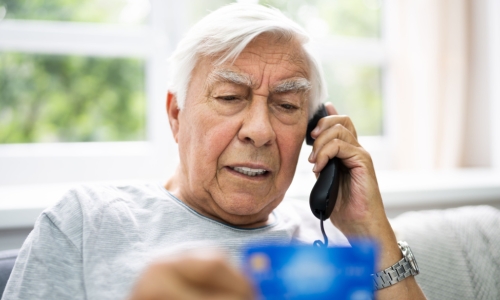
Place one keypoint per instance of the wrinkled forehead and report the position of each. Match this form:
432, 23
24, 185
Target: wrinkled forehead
277, 48
289, 46
284, 57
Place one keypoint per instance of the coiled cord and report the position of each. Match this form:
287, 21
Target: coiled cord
318, 243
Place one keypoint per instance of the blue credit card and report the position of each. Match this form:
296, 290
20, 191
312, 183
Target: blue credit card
306, 272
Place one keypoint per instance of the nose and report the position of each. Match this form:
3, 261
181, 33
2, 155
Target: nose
257, 128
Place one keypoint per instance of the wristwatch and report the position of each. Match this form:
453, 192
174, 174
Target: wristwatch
406, 267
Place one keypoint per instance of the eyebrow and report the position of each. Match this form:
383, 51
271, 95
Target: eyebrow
292, 85
288, 85
231, 77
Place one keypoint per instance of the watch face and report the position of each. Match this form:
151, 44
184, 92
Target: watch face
409, 256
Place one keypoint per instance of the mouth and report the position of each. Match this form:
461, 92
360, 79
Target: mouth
249, 171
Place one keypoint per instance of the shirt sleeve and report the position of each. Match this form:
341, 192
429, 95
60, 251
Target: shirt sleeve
49, 266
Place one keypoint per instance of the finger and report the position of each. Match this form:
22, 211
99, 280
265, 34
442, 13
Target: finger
160, 281
330, 109
332, 120
336, 132
351, 155
192, 276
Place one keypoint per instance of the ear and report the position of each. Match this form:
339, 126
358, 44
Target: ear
173, 114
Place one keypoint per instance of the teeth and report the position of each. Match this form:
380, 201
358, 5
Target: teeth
249, 171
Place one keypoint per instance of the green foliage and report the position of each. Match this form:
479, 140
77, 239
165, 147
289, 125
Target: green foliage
65, 10
51, 98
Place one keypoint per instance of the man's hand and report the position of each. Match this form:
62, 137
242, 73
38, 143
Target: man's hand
193, 275
359, 211
359, 205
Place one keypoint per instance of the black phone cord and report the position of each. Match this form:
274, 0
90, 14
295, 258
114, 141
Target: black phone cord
319, 243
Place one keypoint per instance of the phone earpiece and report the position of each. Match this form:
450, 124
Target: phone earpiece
318, 115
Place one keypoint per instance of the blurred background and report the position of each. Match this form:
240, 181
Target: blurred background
83, 85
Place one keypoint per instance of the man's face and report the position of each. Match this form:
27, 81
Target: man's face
241, 130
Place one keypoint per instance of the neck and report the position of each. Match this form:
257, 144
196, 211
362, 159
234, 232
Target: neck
176, 187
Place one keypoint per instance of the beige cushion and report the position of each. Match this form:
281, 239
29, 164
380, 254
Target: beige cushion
457, 250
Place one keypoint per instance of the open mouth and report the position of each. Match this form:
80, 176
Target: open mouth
249, 171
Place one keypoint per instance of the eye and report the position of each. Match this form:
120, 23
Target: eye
228, 98
287, 106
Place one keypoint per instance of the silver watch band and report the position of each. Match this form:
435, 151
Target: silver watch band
393, 274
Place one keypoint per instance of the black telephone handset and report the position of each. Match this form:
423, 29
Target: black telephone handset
325, 191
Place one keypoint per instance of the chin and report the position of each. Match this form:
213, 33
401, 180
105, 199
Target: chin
246, 207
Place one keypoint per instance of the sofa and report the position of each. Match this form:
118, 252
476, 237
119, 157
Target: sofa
457, 250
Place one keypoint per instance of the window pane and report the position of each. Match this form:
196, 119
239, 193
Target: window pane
357, 18
355, 90
107, 11
52, 98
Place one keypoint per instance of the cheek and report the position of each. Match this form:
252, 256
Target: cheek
202, 144
290, 144
216, 139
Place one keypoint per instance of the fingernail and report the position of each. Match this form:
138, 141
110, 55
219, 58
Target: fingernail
311, 156
314, 168
315, 131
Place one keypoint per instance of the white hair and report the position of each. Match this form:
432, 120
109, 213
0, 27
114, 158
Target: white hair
225, 33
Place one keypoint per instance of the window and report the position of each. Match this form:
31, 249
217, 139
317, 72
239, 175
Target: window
86, 81
83, 91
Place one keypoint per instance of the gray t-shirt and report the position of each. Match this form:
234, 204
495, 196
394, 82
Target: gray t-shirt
96, 241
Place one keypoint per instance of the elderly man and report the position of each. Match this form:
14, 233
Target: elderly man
242, 91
